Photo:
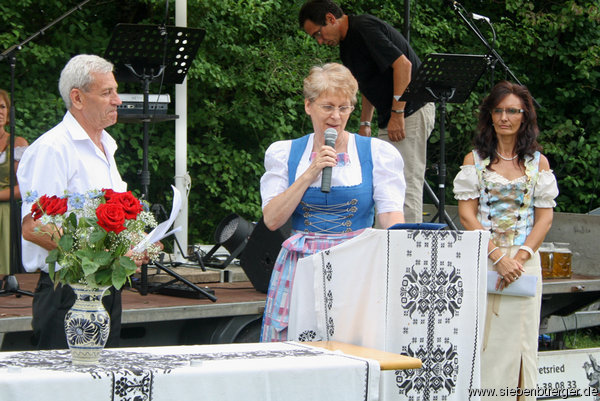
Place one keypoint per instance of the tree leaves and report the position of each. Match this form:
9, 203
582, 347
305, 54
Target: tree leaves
245, 87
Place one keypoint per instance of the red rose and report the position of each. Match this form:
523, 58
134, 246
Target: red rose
111, 217
56, 206
131, 205
108, 194
36, 211
51, 206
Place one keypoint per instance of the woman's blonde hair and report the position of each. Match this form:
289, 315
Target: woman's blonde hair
332, 78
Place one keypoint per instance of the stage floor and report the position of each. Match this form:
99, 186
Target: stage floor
233, 299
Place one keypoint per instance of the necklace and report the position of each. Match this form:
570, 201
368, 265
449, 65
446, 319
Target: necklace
508, 159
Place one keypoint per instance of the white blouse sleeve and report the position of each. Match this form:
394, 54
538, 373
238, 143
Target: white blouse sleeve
466, 183
546, 190
275, 179
389, 185
19, 150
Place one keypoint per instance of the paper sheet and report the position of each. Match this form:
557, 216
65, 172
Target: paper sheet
160, 231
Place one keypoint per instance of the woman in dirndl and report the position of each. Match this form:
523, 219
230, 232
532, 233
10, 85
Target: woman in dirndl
366, 175
506, 186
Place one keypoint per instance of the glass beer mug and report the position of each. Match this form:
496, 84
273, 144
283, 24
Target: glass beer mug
561, 260
546, 258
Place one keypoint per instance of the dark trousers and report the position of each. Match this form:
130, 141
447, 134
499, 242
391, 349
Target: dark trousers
50, 305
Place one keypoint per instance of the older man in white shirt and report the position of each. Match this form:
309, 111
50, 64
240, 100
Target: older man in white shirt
77, 155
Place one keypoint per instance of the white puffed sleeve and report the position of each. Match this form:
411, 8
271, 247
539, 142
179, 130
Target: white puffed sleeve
389, 185
19, 150
275, 179
546, 190
466, 183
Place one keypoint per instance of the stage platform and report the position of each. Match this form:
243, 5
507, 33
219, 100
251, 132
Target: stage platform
159, 320
155, 316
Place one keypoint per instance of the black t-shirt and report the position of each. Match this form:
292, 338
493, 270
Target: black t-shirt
369, 49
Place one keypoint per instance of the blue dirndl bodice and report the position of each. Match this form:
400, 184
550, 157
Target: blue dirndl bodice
345, 208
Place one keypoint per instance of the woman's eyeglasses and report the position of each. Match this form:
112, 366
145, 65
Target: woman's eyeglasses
329, 109
509, 111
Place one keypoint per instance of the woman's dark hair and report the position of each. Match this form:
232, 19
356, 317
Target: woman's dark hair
486, 140
316, 10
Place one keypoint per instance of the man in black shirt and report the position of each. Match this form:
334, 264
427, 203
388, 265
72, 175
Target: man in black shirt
383, 63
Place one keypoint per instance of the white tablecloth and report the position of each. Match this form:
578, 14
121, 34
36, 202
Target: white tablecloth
414, 292
275, 371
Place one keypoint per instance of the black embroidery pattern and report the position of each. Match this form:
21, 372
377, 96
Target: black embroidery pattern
132, 373
307, 335
431, 294
328, 296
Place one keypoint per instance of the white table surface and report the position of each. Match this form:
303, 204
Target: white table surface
274, 371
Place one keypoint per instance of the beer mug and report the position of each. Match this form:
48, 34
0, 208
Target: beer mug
546, 258
561, 260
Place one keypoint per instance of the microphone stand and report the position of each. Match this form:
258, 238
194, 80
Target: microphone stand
456, 6
11, 286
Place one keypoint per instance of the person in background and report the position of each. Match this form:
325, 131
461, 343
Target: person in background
77, 155
506, 186
5, 156
383, 63
366, 173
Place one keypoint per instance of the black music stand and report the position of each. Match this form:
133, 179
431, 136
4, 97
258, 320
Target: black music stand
445, 78
145, 53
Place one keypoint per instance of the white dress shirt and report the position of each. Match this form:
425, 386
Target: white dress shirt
64, 159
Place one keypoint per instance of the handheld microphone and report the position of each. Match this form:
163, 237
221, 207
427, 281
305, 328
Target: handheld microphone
478, 17
330, 137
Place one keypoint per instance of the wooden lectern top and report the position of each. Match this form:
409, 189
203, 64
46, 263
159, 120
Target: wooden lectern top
387, 360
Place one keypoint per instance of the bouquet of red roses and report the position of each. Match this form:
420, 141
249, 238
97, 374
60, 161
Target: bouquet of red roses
95, 233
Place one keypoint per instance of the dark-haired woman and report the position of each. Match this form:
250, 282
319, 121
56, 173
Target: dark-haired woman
506, 186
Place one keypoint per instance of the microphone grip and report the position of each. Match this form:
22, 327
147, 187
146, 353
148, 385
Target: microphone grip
326, 180
330, 138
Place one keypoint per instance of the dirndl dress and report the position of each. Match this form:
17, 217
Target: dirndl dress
320, 221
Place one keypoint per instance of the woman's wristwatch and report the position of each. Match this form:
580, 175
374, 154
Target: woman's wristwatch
365, 123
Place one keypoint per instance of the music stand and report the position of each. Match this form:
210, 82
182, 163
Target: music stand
144, 53
445, 78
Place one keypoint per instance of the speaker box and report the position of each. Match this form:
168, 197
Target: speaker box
259, 255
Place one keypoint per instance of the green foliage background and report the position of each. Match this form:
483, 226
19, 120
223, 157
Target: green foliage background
245, 86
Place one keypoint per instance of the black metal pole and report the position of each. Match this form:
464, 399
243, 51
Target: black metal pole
12, 179
456, 7
11, 285
42, 31
145, 175
442, 172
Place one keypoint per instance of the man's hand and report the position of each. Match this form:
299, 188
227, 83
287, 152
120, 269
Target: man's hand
395, 127
364, 130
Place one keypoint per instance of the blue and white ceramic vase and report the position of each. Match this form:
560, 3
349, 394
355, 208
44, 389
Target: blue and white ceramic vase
87, 325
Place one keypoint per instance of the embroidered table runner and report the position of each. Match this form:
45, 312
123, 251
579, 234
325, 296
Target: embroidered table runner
419, 293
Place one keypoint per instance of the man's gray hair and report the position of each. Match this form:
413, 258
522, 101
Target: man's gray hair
78, 74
